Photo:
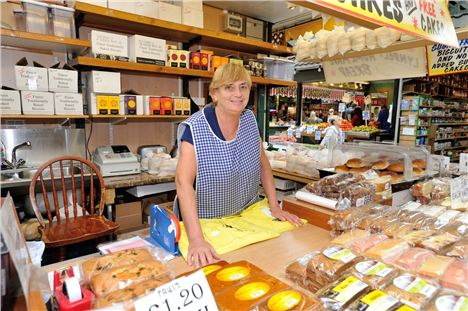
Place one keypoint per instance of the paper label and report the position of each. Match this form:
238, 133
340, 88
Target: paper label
348, 289
412, 120
304, 260
290, 133
377, 301
414, 285
309, 129
338, 253
366, 115
411, 206
463, 163
373, 267
452, 303
318, 135
456, 192
463, 218
298, 133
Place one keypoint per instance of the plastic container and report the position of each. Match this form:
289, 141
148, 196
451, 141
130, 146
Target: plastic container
37, 16
63, 21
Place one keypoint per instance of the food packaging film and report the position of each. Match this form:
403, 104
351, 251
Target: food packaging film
315, 199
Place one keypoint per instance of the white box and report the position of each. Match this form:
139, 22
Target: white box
68, 103
37, 102
10, 102
139, 104
147, 50
169, 12
104, 82
109, 45
121, 5
147, 8
62, 80
193, 4
31, 78
284, 184
192, 17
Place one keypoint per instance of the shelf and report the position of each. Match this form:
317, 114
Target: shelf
432, 95
119, 116
454, 123
84, 61
37, 41
42, 116
454, 117
104, 18
440, 83
453, 148
451, 138
399, 45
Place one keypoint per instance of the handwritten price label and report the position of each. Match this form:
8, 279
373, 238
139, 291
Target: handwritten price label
298, 133
366, 115
318, 135
309, 129
186, 293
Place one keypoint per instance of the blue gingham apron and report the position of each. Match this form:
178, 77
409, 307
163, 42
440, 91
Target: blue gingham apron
228, 172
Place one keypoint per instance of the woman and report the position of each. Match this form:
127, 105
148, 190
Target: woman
332, 133
221, 153
357, 120
313, 119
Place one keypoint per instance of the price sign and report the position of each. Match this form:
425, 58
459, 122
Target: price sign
290, 133
318, 135
412, 120
366, 115
309, 129
342, 107
444, 165
298, 133
463, 163
342, 137
464, 186
456, 192
186, 293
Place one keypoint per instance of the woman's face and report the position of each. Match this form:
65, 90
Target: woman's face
232, 96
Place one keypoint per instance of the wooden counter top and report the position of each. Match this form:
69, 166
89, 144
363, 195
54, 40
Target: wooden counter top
140, 179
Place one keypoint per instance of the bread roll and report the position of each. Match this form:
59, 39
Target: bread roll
354, 163
359, 170
397, 178
380, 165
397, 167
342, 169
386, 173
419, 163
418, 172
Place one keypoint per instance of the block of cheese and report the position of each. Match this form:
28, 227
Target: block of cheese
435, 266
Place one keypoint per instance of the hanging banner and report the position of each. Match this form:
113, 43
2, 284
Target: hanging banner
442, 59
428, 19
392, 65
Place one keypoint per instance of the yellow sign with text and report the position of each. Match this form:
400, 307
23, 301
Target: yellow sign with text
443, 60
428, 19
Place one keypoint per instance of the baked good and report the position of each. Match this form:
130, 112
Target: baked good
418, 172
412, 259
121, 277
387, 250
355, 163
459, 250
296, 271
396, 178
435, 266
397, 167
360, 246
439, 242
290, 300
456, 276
382, 183
113, 260
419, 163
373, 272
416, 236
380, 165
447, 301
386, 173
331, 296
231, 274
349, 237
397, 227
358, 170
130, 293
359, 193
341, 169
376, 300
411, 290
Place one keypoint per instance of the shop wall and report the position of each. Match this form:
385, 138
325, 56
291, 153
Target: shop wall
383, 86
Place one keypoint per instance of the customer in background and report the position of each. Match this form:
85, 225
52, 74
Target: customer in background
357, 120
331, 112
383, 119
332, 133
221, 153
313, 119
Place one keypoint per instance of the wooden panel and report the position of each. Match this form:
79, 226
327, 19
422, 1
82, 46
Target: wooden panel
293, 176
315, 215
213, 18
33, 116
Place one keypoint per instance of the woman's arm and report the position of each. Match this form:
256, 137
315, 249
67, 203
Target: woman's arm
200, 252
269, 186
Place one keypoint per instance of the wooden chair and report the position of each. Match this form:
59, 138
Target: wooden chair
69, 227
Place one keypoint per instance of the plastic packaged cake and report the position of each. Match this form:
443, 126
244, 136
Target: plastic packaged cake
373, 272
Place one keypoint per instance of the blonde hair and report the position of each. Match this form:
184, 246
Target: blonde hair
228, 73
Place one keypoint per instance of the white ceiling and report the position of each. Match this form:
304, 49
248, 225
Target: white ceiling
273, 11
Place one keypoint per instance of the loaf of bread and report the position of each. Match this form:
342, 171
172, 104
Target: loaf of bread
373, 272
114, 260
412, 259
380, 165
355, 163
419, 163
127, 295
341, 293
296, 271
435, 266
121, 277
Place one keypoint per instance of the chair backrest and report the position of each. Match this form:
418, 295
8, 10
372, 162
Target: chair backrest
62, 175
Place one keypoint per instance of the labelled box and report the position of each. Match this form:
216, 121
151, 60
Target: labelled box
195, 60
114, 104
217, 61
147, 50
178, 103
192, 17
107, 45
152, 105
104, 82
63, 80
37, 102
10, 102
121, 5
166, 106
169, 12
254, 28
31, 78
103, 104
186, 106
146, 8
131, 104
184, 59
68, 103
172, 58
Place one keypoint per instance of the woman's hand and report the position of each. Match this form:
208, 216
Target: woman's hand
201, 253
286, 216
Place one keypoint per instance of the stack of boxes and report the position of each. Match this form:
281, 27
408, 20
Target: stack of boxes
103, 92
43, 91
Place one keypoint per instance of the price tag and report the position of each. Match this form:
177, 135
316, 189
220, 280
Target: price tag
412, 120
309, 129
366, 115
342, 107
456, 192
463, 163
186, 293
290, 133
342, 137
298, 133
318, 135
444, 165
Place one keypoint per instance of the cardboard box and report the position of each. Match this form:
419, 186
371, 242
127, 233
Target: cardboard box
172, 58
147, 50
10, 102
146, 8
114, 104
184, 58
205, 61
192, 17
254, 28
217, 61
68, 103
193, 4
37, 102
195, 60
63, 80
169, 12
166, 106
178, 103
103, 104
121, 5
104, 82
31, 78
131, 104
107, 45
186, 104
152, 105
128, 215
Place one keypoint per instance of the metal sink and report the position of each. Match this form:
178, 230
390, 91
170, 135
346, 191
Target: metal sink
26, 173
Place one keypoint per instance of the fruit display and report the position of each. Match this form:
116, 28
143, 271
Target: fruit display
346, 125
364, 128
322, 125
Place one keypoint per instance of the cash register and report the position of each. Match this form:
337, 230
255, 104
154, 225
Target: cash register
116, 160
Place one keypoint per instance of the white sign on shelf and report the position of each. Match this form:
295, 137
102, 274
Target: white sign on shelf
309, 129
456, 192
366, 115
444, 166
290, 133
463, 163
318, 135
408, 131
342, 107
412, 119
190, 292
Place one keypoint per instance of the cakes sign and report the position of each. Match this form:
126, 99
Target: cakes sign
442, 59
428, 19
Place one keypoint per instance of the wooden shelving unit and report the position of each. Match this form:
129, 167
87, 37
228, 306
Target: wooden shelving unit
104, 18
42, 116
138, 117
83, 61
36, 41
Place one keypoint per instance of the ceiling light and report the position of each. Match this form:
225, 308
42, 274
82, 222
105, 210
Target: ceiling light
332, 84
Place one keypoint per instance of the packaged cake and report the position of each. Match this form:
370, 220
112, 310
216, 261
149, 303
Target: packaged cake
341, 293
373, 272
459, 250
388, 250
377, 300
349, 237
456, 276
296, 270
435, 266
448, 301
416, 236
360, 246
289, 300
412, 259
439, 242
